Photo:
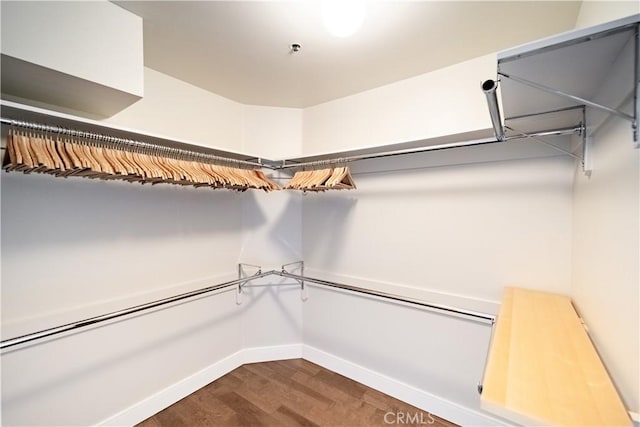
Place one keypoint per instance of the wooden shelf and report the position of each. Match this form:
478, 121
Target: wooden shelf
543, 369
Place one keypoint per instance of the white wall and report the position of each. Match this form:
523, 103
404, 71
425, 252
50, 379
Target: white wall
606, 237
597, 12
464, 230
272, 132
74, 248
444, 102
176, 109
606, 255
272, 232
434, 353
452, 235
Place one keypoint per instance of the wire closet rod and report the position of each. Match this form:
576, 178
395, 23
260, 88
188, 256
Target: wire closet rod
68, 327
126, 141
286, 164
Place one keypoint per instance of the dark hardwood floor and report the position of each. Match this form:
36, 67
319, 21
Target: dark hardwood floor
289, 393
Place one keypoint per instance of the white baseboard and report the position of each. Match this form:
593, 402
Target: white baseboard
266, 354
426, 401
170, 395
414, 396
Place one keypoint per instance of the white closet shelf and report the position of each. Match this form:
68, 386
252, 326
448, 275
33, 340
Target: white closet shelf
14, 110
477, 138
595, 68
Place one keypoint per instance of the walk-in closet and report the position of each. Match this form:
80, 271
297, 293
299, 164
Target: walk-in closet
320, 213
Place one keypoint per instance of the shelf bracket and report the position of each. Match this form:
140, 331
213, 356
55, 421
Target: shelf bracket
303, 289
241, 275
574, 98
636, 90
587, 146
633, 119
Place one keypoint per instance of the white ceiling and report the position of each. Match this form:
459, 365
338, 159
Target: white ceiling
240, 49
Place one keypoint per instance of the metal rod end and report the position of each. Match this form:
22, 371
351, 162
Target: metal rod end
489, 87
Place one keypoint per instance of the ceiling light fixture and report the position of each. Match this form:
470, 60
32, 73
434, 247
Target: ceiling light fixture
343, 18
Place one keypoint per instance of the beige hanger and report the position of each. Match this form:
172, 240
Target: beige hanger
220, 175
119, 169
138, 173
55, 156
44, 157
39, 158
64, 156
269, 184
209, 175
27, 159
152, 174
13, 158
192, 175
127, 169
84, 161
298, 177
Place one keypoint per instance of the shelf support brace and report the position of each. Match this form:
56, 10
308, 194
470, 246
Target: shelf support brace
303, 289
571, 97
636, 91
242, 275
587, 146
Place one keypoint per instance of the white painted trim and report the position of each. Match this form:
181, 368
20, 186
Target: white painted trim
430, 295
170, 395
267, 354
635, 417
424, 400
412, 395
19, 327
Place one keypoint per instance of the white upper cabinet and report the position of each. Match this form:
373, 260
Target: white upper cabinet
85, 56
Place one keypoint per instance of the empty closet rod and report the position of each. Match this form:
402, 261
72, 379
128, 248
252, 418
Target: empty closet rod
475, 315
57, 330
128, 142
286, 164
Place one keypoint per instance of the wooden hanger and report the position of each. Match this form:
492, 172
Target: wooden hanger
92, 159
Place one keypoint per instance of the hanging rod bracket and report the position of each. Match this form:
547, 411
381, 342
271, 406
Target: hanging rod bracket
300, 279
633, 119
243, 275
636, 90
587, 146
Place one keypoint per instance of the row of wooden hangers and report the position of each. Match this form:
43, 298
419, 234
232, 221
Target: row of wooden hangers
338, 178
44, 154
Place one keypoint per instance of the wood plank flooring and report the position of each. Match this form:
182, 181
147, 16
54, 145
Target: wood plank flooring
289, 393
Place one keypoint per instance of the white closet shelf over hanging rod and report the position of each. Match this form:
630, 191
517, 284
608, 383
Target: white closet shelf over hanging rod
385, 151
467, 139
28, 117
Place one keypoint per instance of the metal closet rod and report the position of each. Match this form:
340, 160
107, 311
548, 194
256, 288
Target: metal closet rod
333, 161
69, 327
476, 315
285, 164
125, 141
